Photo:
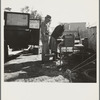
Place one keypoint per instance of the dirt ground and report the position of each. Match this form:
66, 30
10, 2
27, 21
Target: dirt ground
27, 67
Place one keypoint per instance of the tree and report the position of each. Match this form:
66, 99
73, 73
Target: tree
33, 13
7, 9
25, 9
39, 16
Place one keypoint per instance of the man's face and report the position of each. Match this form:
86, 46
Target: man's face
48, 20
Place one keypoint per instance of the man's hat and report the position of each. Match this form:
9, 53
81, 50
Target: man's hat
48, 16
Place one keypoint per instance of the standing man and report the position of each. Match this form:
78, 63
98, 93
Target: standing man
58, 31
45, 37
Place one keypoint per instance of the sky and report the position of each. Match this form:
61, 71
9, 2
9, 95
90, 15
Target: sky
61, 10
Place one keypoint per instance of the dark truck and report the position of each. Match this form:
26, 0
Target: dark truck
20, 31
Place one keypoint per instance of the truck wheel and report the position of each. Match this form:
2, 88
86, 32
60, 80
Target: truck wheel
5, 51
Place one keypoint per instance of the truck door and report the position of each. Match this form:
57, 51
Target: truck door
16, 31
34, 25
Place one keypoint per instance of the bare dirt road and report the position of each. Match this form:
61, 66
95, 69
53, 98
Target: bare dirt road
28, 68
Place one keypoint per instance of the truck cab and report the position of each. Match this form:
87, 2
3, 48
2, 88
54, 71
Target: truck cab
19, 30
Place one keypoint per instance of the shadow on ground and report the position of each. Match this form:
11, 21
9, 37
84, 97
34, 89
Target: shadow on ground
34, 69
28, 70
11, 57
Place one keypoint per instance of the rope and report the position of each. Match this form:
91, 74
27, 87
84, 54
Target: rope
83, 65
83, 62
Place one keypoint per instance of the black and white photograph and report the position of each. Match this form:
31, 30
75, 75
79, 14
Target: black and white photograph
50, 41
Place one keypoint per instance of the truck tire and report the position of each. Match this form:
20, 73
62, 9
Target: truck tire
5, 51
